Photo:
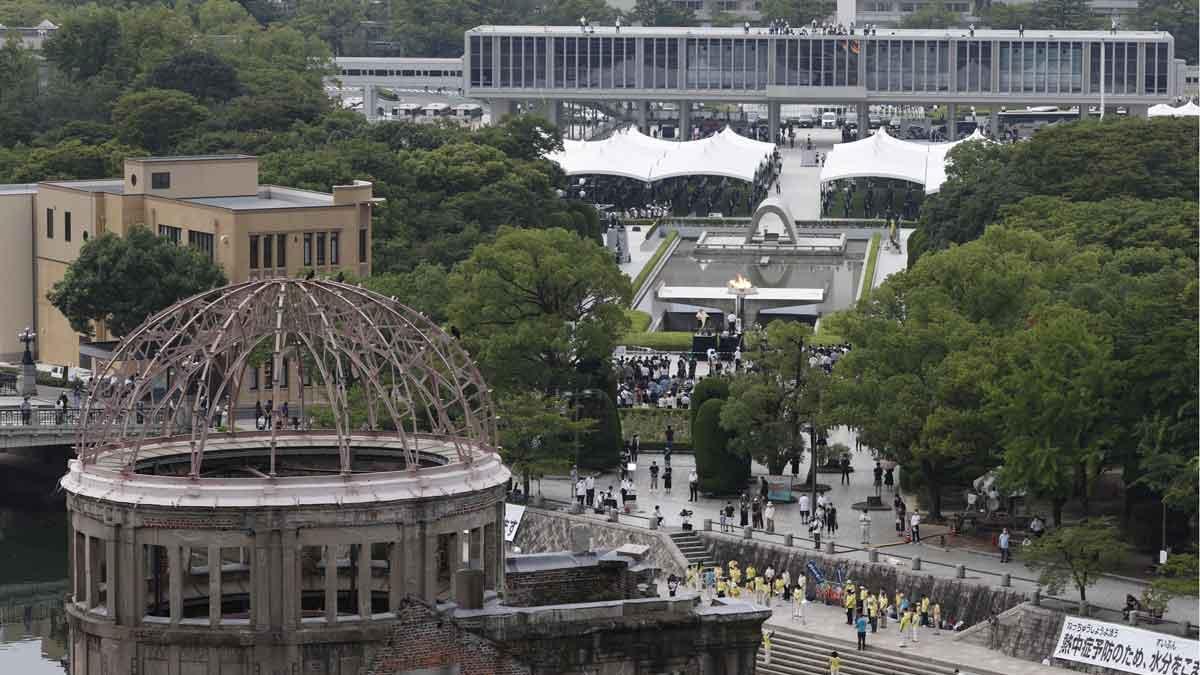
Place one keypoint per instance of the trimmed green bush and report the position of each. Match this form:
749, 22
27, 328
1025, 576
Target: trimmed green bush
872, 260
639, 321
707, 388
667, 341
650, 424
721, 472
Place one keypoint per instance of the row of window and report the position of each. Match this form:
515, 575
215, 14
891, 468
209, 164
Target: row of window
269, 251
380, 72
67, 229
201, 241
1043, 66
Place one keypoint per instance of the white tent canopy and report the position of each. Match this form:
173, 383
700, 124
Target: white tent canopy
1188, 109
632, 154
882, 156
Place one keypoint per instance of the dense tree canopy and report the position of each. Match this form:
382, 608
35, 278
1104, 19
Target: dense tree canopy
123, 280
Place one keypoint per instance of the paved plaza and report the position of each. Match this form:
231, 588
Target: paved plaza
982, 567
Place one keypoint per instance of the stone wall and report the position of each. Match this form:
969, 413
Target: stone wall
602, 580
544, 531
424, 641
960, 600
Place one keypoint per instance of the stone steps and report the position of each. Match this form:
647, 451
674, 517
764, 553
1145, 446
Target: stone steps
692, 547
796, 653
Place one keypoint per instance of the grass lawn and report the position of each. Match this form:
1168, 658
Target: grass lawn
644, 275
872, 260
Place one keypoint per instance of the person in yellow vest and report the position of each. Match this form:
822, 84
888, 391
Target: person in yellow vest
862, 599
899, 605
937, 618
904, 619
850, 602
722, 587
835, 663
913, 624
873, 612
883, 604
751, 573
735, 591
798, 601
759, 587
780, 588
735, 573
767, 645
693, 578
924, 610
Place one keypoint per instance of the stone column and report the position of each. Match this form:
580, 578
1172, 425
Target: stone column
476, 549
292, 580
92, 578
214, 585
364, 579
994, 123
331, 583
1142, 111
773, 121
79, 565
500, 109
396, 586
429, 565
175, 580
685, 120
643, 116
370, 102
952, 121
864, 119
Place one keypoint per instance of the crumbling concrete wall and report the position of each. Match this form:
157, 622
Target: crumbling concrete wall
543, 531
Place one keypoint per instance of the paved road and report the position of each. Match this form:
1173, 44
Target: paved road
1108, 592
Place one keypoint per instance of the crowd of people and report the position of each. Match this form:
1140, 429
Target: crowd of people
666, 380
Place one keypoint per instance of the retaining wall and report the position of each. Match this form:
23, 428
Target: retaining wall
545, 531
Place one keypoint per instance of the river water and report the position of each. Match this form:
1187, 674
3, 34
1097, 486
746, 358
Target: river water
33, 574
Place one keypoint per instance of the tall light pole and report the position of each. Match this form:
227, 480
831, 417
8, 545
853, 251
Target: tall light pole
27, 377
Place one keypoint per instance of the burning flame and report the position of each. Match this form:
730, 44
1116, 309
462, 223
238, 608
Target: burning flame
741, 283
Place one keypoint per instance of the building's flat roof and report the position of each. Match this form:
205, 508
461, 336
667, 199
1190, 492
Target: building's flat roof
18, 189
268, 197
398, 60
191, 158
113, 186
762, 31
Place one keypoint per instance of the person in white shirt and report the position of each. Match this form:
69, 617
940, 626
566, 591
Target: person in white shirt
864, 527
1005, 555
580, 492
589, 484
769, 515
803, 508
693, 486
915, 523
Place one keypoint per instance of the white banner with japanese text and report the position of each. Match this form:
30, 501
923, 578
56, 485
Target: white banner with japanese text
513, 513
1128, 649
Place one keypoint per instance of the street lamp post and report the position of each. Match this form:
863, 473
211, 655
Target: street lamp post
27, 377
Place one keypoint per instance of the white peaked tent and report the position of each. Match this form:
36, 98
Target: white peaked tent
632, 154
883, 156
1188, 109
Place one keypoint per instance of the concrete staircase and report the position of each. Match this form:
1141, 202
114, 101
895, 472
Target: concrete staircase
796, 653
693, 549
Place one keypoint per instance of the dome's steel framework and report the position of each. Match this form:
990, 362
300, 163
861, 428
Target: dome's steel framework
188, 360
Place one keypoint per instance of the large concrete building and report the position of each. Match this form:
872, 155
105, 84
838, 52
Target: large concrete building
212, 203
543, 66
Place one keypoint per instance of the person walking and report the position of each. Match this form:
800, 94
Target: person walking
915, 522
835, 663
1005, 556
26, 411
860, 625
756, 516
769, 515
850, 601
864, 527
905, 618
924, 609
766, 640
814, 531
889, 478
654, 476
763, 489
745, 510
878, 479
667, 480
845, 469
589, 485
635, 446
831, 523
580, 491
693, 486
804, 509
873, 612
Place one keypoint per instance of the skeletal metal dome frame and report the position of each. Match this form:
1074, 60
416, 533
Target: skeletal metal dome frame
171, 376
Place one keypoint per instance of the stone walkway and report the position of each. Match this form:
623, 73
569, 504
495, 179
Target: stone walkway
938, 560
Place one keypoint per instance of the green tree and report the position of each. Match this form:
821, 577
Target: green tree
1177, 17
1006, 16
19, 92
122, 280
707, 388
1065, 15
336, 21
87, 41
436, 27
536, 304
524, 137
932, 15
72, 159
798, 12
223, 17
536, 435
721, 471
1175, 579
202, 74
1076, 555
662, 13
156, 119
425, 289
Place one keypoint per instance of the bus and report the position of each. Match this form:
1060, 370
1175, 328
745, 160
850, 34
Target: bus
436, 110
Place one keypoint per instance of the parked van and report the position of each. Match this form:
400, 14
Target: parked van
829, 120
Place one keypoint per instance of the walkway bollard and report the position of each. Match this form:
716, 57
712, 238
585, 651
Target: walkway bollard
960, 571
788, 539
653, 522
1006, 580
707, 524
873, 555
576, 508
829, 547
1037, 596
614, 516
916, 563
747, 532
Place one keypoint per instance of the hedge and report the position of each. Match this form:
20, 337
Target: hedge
664, 341
707, 388
639, 321
872, 259
644, 275
721, 472
650, 424
601, 445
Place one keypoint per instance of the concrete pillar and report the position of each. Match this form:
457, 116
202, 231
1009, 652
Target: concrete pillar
1006, 580
396, 586
916, 563
864, 119
364, 579
214, 585
789, 539
476, 549
552, 111
500, 109
960, 571
773, 121
291, 581
331, 583
1142, 111
370, 103
994, 124
685, 120
429, 565
643, 116
175, 575
92, 567
79, 562
952, 122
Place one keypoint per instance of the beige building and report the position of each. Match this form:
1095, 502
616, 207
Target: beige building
213, 203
